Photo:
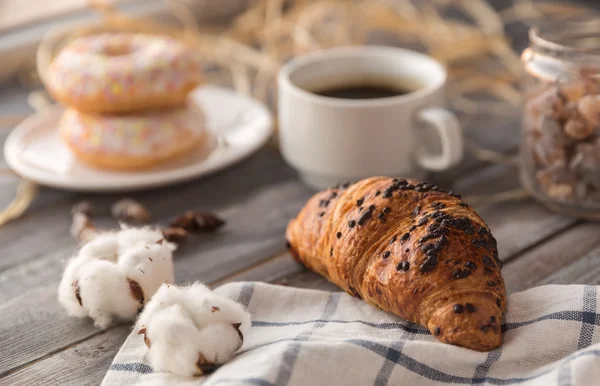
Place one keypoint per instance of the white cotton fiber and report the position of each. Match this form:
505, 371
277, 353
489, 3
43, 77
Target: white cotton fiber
131, 237
174, 341
105, 293
190, 329
114, 274
103, 246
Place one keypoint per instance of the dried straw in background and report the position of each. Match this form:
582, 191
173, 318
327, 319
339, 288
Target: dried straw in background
467, 36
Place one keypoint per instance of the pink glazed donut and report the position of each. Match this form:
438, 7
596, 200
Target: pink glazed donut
132, 141
123, 72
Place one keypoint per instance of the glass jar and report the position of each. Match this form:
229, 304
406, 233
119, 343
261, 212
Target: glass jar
560, 144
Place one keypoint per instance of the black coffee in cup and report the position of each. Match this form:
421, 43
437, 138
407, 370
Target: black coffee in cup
365, 87
351, 112
365, 91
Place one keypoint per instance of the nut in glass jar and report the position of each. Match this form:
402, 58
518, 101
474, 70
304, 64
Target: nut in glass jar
560, 146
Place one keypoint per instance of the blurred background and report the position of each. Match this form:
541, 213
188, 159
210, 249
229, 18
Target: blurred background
244, 43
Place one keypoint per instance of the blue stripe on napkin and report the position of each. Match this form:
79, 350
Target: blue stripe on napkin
133, 367
589, 318
573, 313
440, 376
291, 354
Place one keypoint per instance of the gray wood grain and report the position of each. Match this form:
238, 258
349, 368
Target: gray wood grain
13, 104
86, 363
13, 100
569, 258
256, 223
517, 225
272, 270
38, 342
585, 270
507, 221
554, 259
80, 365
255, 200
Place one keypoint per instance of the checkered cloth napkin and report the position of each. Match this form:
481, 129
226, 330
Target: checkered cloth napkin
311, 337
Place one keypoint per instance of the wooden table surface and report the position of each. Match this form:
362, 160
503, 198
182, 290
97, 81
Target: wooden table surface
40, 344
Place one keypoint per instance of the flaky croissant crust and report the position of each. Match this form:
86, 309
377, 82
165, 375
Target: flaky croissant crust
410, 249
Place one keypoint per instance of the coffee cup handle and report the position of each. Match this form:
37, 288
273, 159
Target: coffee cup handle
451, 138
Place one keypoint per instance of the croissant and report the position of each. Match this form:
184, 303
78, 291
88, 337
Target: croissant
410, 249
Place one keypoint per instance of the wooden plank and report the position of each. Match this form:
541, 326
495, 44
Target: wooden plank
86, 363
306, 279
248, 236
252, 186
257, 218
82, 364
570, 258
585, 270
287, 198
13, 100
257, 210
545, 264
526, 220
272, 270
13, 107
38, 235
23, 13
256, 224
256, 197
517, 225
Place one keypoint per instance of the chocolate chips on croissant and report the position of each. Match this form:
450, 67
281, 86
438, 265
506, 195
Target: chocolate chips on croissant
408, 248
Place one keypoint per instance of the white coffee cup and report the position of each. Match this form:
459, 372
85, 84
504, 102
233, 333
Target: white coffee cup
332, 140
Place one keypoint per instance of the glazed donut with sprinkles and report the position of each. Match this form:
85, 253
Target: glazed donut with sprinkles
123, 72
134, 141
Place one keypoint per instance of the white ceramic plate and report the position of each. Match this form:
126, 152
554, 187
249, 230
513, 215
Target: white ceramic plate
237, 126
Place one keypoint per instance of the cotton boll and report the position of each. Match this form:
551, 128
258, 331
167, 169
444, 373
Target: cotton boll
150, 266
67, 295
106, 293
131, 237
196, 288
166, 296
212, 308
114, 275
174, 341
219, 341
103, 246
214, 338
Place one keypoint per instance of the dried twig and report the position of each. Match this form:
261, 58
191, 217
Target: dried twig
26, 192
491, 156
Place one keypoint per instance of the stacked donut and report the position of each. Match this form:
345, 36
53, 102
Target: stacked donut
126, 99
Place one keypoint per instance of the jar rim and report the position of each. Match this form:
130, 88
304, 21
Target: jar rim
575, 39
